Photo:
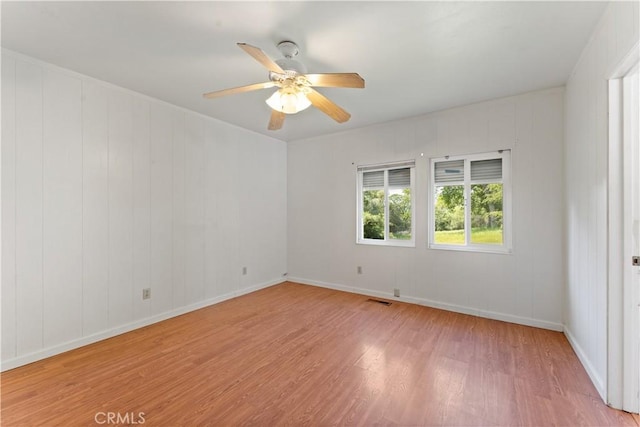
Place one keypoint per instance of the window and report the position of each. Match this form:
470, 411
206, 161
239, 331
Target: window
470, 202
385, 204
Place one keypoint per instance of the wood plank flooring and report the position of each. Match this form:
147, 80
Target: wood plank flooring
301, 355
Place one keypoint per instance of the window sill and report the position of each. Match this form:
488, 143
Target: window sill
395, 243
481, 249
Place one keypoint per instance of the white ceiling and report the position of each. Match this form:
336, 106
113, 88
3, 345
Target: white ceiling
416, 57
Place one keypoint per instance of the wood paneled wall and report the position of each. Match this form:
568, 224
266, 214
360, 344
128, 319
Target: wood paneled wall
523, 287
106, 192
586, 177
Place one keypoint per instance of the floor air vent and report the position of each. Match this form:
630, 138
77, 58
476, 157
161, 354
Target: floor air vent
379, 301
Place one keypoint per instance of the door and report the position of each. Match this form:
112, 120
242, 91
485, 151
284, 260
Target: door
631, 213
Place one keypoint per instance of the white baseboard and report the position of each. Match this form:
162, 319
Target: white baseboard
527, 321
99, 336
593, 375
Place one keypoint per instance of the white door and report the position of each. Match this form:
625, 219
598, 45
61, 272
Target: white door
631, 292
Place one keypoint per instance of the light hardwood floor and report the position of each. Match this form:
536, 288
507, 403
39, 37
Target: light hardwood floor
301, 355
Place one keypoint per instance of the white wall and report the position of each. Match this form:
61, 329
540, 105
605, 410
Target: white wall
523, 287
586, 177
106, 192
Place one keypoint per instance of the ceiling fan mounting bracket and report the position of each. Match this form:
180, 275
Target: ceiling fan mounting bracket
288, 49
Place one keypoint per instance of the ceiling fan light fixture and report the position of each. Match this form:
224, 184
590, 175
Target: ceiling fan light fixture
288, 101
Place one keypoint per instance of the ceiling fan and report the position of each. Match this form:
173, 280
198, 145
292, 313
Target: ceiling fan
295, 87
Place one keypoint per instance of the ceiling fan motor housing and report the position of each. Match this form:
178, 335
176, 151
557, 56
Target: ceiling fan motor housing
292, 65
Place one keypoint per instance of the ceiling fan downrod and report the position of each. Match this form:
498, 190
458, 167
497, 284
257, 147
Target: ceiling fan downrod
291, 67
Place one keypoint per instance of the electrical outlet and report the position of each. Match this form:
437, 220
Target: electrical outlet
396, 292
359, 270
244, 271
146, 293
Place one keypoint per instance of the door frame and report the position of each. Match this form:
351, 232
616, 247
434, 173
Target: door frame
622, 324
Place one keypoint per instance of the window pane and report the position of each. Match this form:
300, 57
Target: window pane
400, 213
449, 215
373, 214
486, 214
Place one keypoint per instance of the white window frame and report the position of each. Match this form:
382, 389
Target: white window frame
506, 247
359, 224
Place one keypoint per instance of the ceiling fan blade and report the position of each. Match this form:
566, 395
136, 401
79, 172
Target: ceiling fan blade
336, 80
327, 106
261, 57
240, 89
277, 119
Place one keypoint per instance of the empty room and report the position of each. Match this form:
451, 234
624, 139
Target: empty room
320, 213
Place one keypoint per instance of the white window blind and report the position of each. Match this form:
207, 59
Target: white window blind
483, 170
449, 171
373, 180
400, 178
